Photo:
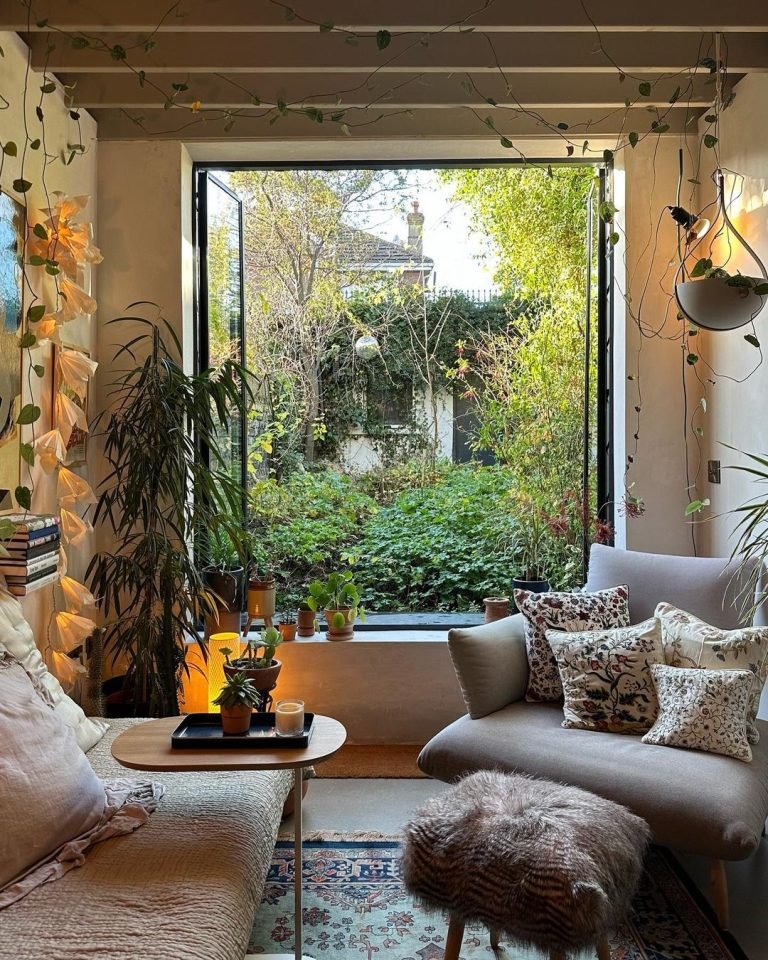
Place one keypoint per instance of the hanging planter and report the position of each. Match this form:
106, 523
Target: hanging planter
709, 296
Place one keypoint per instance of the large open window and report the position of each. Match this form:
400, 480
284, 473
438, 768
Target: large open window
430, 351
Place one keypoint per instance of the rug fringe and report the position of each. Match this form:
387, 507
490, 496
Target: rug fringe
351, 835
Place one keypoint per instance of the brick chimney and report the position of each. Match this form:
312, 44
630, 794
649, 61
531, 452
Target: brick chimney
415, 230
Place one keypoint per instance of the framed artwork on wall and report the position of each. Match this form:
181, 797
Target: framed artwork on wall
11, 300
77, 445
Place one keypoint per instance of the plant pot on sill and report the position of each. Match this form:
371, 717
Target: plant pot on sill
236, 720
287, 631
227, 585
306, 623
341, 623
263, 678
261, 598
533, 586
715, 304
496, 608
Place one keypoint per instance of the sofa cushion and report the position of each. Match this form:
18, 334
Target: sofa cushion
711, 588
700, 802
186, 885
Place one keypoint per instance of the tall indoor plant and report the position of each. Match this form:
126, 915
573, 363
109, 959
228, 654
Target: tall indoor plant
157, 494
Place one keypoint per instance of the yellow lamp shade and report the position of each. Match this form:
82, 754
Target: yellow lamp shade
216, 660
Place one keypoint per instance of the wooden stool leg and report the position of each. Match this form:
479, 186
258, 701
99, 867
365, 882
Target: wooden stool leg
454, 938
556, 955
495, 939
718, 880
603, 950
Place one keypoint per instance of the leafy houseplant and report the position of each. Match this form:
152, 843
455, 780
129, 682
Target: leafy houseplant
306, 620
157, 494
224, 573
530, 545
237, 698
339, 598
263, 670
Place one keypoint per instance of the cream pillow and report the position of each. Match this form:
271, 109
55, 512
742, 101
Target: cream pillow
692, 643
606, 677
16, 638
702, 710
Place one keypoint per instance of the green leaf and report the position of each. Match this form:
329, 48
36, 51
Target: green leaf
694, 181
752, 339
36, 313
29, 413
691, 359
326, 26
709, 140
40, 231
23, 497
27, 340
633, 138
383, 39
39, 113
142, 78
711, 118
701, 267
614, 239
52, 271
660, 127
36, 261
290, 13
645, 89
608, 155
117, 52
281, 106
562, 126
675, 96
48, 88
80, 43
256, 101
493, 103
693, 507
27, 452
506, 142
74, 114
10, 149
39, 370
21, 185
180, 87
761, 289
34, 144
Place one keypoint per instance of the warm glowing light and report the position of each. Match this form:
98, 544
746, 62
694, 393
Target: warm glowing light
72, 489
76, 369
73, 528
216, 660
69, 415
72, 629
76, 594
51, 450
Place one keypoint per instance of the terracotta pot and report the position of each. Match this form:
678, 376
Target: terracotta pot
236, 719
534, 586
306, 625
263, 678
261, 597
496, 608
287, 631
338, 632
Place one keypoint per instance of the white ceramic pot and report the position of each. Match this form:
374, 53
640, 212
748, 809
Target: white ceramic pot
714, 305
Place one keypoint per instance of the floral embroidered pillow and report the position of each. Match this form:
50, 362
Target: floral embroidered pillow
606, 677
702, 710
563, 611
692, 643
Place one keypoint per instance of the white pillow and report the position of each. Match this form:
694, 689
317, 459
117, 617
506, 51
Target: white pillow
16, 638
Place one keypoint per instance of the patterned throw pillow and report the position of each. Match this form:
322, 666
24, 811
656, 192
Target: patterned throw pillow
563, 611
702, 710
606, 677
690, 642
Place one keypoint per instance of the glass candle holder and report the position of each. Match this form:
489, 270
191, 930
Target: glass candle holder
289, 718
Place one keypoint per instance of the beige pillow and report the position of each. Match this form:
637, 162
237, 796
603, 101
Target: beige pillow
702, 710
692, 643
606, 677
16, 638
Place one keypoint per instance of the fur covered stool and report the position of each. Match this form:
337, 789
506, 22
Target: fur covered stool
550, 866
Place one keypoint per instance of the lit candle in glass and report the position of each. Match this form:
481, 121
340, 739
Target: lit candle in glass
289, 718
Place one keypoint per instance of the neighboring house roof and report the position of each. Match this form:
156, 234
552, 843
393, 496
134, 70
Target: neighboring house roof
360, 250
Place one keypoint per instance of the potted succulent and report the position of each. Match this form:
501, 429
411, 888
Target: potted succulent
339, 599
263, 670
307, 622
287, 627
237, 698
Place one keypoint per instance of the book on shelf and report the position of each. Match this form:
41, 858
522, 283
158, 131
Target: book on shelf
29, 551
30, 522
22, 589
19, 568
22, 578
35, 536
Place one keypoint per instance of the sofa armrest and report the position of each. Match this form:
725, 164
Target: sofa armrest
491, 664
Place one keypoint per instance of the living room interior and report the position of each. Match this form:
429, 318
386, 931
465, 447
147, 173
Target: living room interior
382, 471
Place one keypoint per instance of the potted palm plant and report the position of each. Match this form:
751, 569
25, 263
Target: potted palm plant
339, 599
237, 698
526, 543
262, 670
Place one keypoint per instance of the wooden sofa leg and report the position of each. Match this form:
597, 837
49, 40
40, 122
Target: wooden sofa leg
603, 950
495, 933
718, 880
454, 938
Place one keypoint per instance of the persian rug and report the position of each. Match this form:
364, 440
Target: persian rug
395, 761
355, 905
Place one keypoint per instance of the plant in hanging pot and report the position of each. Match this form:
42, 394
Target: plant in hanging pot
237, 698
339, 599
263, 670
307, 620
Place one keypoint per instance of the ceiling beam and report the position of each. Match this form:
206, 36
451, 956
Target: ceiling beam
427, 123
335, 91
256, 16
183, 53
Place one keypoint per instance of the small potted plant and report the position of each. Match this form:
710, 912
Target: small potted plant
224, 574
496, 608
339, 599
263, 670
287, 627
237, 698
261, 588
307, 625
530, 544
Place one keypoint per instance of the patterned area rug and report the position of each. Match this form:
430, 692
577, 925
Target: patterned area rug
355, 906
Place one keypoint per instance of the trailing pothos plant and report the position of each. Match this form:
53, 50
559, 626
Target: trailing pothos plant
158, 493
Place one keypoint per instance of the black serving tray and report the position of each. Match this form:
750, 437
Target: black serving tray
198, 730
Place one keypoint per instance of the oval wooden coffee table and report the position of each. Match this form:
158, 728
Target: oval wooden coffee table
147, 746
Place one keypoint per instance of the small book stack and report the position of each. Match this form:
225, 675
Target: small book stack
33, 552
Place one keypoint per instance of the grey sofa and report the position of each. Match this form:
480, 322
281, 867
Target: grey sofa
699, 802
185, 885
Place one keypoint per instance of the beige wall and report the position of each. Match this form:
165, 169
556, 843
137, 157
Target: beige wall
77, 178
737, 411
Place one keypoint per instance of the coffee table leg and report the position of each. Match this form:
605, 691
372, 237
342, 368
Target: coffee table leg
298, 861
